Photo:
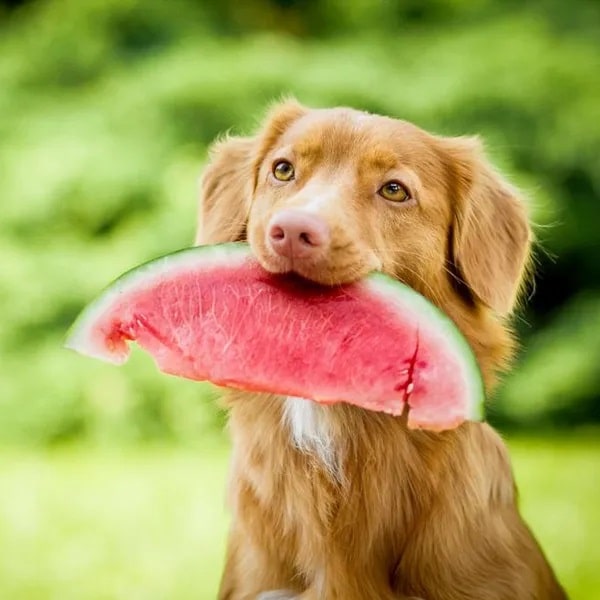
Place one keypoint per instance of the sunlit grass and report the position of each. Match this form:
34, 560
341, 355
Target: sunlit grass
559, 480
149, 524
83, 525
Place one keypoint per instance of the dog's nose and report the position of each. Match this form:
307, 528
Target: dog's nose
295, 233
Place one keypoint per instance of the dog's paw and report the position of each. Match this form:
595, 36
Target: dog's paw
277, 595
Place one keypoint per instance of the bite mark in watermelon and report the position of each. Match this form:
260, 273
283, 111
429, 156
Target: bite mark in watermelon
212, 313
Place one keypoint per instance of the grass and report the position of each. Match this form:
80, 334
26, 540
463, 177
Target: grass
139, 525
149, 524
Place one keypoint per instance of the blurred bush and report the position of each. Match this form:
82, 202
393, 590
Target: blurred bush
106, 109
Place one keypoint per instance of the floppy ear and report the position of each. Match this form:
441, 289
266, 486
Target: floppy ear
228, 182
225, 191
491, 238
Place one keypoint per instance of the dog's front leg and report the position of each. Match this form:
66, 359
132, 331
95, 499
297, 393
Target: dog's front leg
365, 591
312, 595
250, 571
278, 595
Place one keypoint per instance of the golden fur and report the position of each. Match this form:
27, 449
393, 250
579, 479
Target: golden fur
410, 513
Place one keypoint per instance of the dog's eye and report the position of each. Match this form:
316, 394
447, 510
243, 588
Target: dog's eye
283, 170
394, 192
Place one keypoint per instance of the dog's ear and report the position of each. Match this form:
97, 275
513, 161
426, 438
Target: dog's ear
225, 191
228, 182
491, 236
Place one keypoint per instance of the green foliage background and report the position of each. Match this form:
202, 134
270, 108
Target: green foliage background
106, 110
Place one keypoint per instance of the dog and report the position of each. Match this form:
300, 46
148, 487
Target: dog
338, 503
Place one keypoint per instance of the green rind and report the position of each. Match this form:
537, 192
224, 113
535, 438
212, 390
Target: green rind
212, 255
392, 288
147, 272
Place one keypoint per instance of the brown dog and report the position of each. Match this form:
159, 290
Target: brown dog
336, 503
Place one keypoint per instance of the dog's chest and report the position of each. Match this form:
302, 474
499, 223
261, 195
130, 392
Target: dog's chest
310, 430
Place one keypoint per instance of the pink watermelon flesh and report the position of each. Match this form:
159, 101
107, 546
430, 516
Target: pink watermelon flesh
212, 313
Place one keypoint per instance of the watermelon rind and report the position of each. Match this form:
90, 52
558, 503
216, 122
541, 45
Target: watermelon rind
393, 289
233, 254
224, 255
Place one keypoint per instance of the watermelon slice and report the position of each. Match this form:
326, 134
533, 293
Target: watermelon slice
212, 313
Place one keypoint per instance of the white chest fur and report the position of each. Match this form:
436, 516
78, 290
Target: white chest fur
311, 432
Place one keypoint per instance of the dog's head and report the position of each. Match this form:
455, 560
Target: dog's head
333, 194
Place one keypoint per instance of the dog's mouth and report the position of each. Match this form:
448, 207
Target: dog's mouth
320, 272
336, 263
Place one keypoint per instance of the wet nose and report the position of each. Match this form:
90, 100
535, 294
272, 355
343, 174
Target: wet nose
297, 234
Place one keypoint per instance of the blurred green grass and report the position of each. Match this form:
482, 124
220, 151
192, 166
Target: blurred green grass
149, 524
140, 524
